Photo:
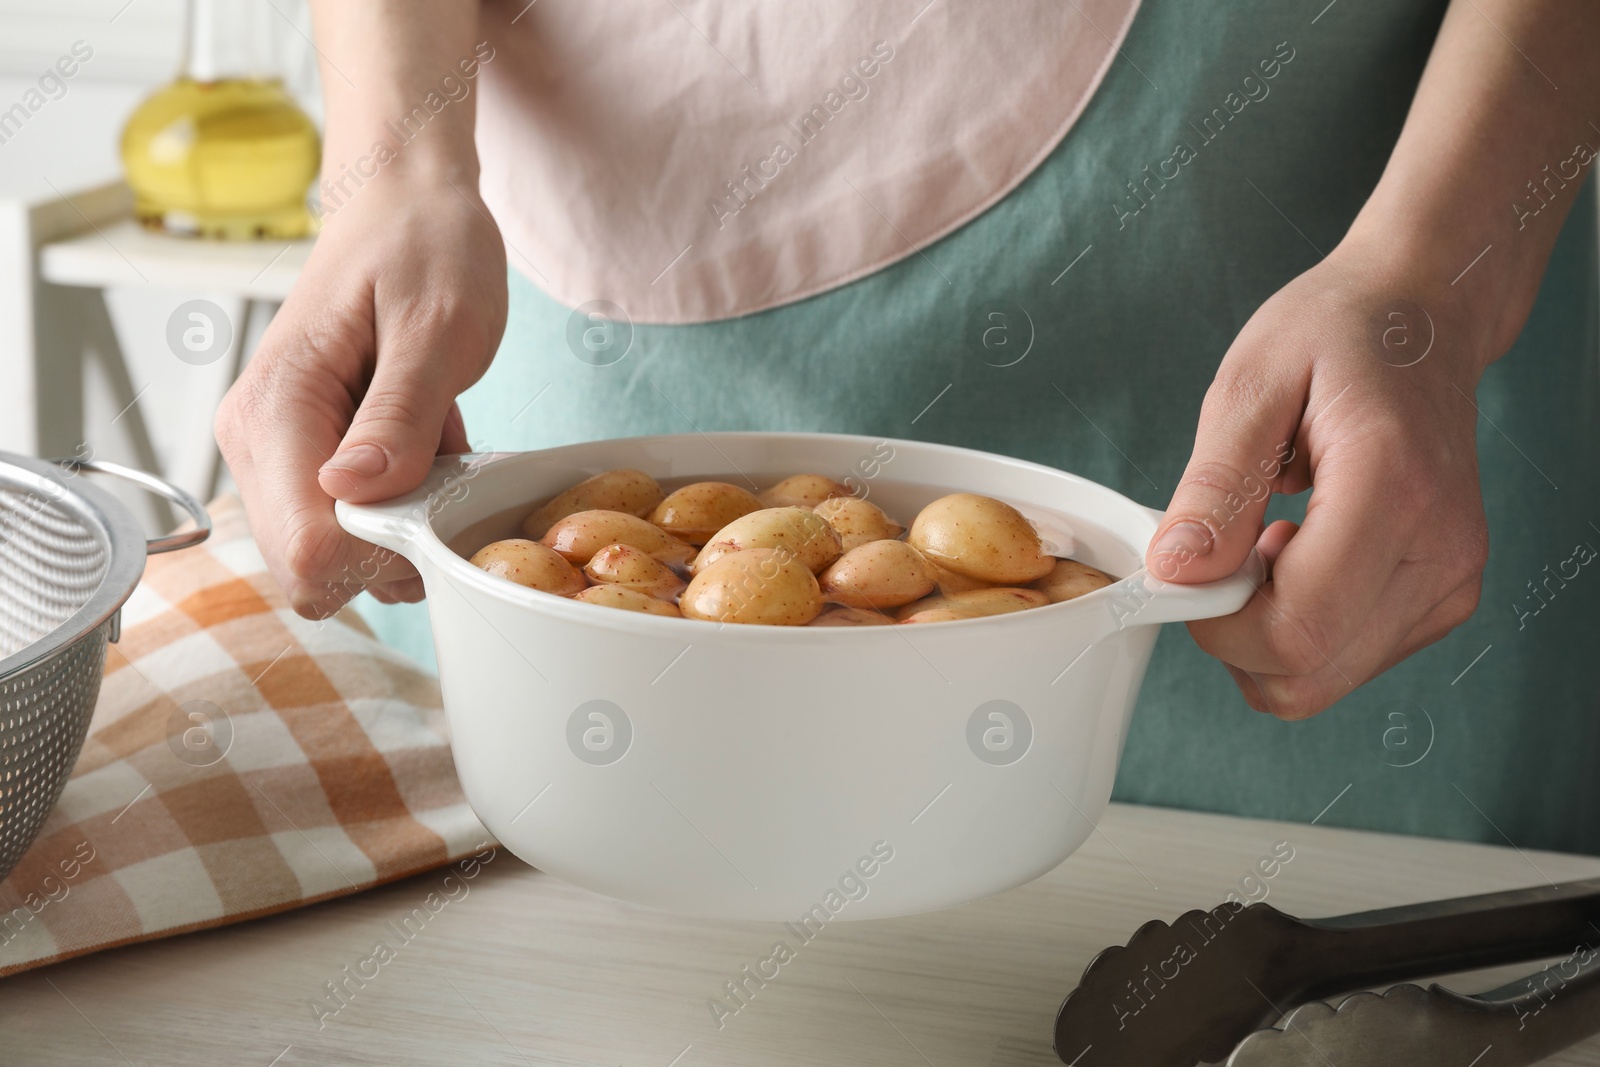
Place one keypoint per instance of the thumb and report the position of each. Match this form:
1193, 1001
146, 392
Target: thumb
399, 427
1215, 516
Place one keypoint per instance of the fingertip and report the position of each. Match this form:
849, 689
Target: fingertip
1250, 688
406, 590
349, 472
366, 473
310, 601
1177, 545
1274, 539
1189, 551
453, 437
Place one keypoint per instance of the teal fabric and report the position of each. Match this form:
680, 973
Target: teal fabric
1125, 344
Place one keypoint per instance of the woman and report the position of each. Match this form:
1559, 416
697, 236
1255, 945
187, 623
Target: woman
1046, 232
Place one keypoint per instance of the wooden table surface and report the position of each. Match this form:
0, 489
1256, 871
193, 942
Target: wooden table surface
525, 969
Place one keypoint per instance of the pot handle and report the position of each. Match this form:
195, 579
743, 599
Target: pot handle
1143, 598
395, 524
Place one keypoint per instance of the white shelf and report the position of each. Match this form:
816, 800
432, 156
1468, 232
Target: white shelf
125, 254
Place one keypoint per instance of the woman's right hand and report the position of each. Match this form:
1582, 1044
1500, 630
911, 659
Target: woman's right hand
352, 391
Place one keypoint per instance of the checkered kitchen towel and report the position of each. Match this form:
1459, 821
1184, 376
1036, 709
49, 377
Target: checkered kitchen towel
241, 761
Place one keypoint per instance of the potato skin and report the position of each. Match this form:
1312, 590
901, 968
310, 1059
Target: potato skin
802, 491
626, 490
579, 536
938, 615
978, 602
1071, 579
529, 564
799, 530
841, 616
805, 551
764, 586
697, 511
980, 537
878, 575
628, 567
620, 596
858, 521
949, 581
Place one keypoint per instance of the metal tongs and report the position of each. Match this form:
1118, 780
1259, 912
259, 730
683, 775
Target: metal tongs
1191, 992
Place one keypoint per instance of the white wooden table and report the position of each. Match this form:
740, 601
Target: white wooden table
525, 969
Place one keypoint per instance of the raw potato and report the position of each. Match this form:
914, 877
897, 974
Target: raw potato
528, 563
630, 491
698, 511
618, 596
633, 568
797, 530
802, 491
851, 617
766, 586
980, 537
878, 575
1071, 579
939, 615
578, 537
951, 582
978, 602
858, 521
804, 552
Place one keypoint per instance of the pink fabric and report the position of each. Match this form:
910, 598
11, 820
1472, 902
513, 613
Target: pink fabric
614, 135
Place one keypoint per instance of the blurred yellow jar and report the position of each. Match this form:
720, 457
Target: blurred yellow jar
230, 159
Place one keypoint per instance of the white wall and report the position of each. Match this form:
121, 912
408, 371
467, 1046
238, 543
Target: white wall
138, 41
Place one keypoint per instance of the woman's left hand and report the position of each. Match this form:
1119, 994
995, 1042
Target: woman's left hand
1357, 382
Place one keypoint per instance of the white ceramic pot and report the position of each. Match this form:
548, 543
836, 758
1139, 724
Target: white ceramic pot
763, 772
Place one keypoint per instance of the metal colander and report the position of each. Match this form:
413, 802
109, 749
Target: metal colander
70, 555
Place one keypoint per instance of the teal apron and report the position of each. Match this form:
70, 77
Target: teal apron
1120, 302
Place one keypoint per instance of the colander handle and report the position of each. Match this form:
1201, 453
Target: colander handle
162, 488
